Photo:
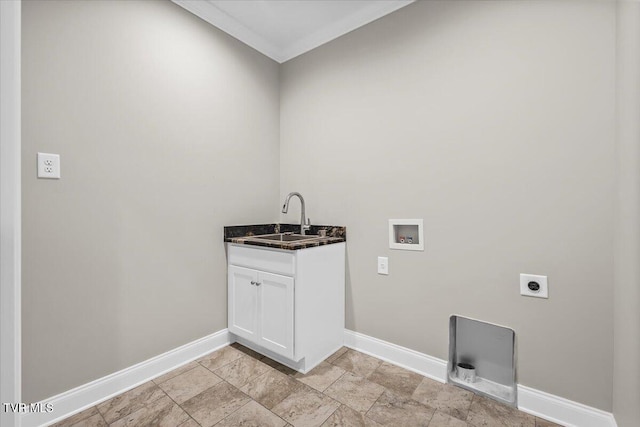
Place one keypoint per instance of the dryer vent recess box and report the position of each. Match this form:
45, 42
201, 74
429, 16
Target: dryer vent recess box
487, 349
406, 234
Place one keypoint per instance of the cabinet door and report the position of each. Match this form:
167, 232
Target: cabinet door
275, 299
243, 302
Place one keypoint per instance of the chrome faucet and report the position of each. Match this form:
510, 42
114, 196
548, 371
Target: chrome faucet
305, 223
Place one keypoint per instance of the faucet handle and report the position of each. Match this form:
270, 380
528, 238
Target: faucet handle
308, 222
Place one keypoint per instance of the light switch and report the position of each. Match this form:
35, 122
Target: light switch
383, 265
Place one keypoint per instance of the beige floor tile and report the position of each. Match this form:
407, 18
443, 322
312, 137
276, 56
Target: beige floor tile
93, 421
453, 401
306, 407
214, 404
544, 423
355, 392
337, 354
347, 417
320, 377
186, 385
443, 420
252, 415
161, 412
270, 388
447, 398
383, 394
399, 410
74, 419
396, 379
130, 401
485, 412
247, 351
181, 370
358, 363
219, 358
242, 370
427, 390
279, 366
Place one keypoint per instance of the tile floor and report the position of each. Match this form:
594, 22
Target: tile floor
236, 386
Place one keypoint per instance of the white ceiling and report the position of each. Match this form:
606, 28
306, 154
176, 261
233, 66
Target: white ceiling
284, 29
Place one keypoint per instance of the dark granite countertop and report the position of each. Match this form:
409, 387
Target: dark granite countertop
245, 235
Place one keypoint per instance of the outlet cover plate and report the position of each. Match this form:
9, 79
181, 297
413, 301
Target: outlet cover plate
48, 166
542, 292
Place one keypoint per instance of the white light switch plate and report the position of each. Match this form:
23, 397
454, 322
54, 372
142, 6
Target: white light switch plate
383, 265
48, 166
536, 281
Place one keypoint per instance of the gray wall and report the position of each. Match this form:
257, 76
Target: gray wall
495, 122
168, 130
626, 379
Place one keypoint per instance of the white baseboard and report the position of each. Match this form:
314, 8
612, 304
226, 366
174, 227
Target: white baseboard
412, 360
535, 402
544, 405
90, 394
560, 410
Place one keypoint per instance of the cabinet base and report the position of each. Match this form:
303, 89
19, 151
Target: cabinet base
302, 365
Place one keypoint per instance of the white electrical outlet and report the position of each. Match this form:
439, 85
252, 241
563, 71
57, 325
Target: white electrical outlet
532, 285
383, 265
48, 166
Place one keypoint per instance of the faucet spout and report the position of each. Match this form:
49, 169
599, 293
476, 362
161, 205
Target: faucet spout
305, 223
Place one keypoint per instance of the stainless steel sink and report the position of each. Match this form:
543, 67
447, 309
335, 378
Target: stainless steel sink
285, 237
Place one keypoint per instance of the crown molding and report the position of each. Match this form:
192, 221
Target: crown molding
373, 11
220, 19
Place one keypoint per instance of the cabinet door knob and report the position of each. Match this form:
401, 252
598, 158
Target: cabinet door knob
253, 283
258, 283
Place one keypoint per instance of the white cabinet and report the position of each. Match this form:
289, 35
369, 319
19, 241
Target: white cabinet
287, 305
261, 308
243, 302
